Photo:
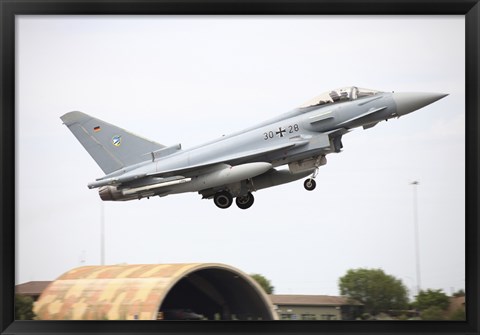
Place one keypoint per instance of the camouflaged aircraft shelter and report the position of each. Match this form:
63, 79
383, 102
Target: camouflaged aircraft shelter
149, 292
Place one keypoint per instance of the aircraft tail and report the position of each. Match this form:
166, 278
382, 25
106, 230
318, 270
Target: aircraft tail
110, 146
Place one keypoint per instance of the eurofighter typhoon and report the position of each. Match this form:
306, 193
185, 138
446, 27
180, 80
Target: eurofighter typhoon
235, 166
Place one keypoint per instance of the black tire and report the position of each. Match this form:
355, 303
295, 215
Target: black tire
310, 184
223, 199
246, 201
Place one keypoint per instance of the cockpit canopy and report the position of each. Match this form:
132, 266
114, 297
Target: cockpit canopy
339, 95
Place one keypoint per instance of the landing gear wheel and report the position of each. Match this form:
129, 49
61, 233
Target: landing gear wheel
245, 201
310, 184
223, 199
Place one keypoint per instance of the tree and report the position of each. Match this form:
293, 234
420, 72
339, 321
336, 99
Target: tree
433, 313
23, 308
263, 282
377, 291
459, 293
431, 298
458, 315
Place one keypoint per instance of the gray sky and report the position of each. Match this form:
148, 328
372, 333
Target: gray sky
191, 79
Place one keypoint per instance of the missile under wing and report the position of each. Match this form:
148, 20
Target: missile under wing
235, 166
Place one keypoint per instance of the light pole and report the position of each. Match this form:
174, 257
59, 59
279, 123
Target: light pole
102, 234
411, 288
417, 239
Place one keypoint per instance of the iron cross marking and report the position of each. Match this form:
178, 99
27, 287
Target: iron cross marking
280, 131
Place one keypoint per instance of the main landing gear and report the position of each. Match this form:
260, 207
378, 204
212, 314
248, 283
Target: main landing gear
245, 201
224, 200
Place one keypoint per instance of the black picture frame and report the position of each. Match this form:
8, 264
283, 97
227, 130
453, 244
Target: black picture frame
10, 8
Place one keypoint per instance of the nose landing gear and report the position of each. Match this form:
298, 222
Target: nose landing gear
310, 184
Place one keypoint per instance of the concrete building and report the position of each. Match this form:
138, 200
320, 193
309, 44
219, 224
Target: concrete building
154, 292
32, 289
315, 307
285, 307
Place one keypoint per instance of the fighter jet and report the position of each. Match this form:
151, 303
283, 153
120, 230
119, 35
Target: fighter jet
286, 148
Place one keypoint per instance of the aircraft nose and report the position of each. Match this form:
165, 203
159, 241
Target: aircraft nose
409, 102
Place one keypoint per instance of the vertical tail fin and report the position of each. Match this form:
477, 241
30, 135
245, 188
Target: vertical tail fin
110, 146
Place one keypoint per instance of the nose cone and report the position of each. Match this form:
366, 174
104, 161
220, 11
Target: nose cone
409, 102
